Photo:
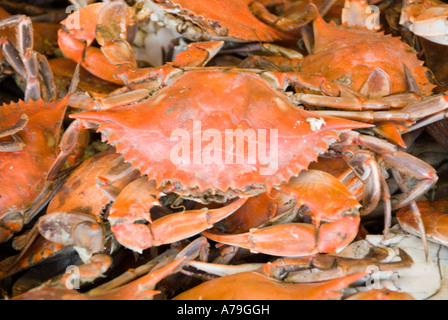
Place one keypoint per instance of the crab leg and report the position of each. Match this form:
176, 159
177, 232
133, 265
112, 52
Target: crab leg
434, 219
15, 53
412, 112
404, 163
111, 35
74, 136
327, 267
170, 228
288, 23
414, 209
17, 144
429, 120
287, 55
359, 102
368, 171
366, 168
304, 80
306, 269
374, 94
35, 250
141, 288
30, 65
190, 252
134, 204
195, 55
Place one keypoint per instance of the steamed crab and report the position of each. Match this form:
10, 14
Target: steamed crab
365, 62
397, 97
184, 101
378, 89
193, 20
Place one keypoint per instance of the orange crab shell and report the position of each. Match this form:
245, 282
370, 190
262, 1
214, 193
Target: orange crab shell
256, 286
217, 100
350, 55
81, 192
233, 21
434, 216
23, 173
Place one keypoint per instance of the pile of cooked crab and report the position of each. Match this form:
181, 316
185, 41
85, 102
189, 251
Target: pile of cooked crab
261, 149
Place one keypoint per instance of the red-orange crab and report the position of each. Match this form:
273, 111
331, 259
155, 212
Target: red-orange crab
24, 170
365, 61
194, 20
29, 132
374, 89
368, 69
198, 104
383, 51
155, 153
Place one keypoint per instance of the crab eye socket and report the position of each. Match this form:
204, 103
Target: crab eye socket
219, 29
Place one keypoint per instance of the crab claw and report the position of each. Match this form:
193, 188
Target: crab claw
253, 285
327, 198
133, 205
197, 54
289, 23
106, 23
85, 232
294, 239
